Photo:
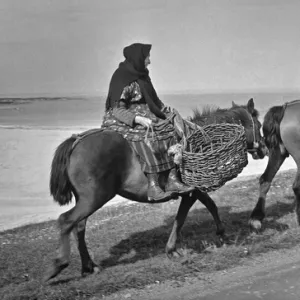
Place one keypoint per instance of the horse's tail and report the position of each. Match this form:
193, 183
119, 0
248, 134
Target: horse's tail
271, 126
60, 185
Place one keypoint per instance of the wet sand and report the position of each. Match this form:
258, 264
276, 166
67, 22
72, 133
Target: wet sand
25, 160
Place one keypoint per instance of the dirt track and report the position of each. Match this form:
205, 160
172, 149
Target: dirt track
268, 277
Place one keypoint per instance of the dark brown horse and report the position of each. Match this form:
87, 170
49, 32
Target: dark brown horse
103, 165
282, 136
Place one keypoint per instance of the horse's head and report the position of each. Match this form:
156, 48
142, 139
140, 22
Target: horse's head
255, 143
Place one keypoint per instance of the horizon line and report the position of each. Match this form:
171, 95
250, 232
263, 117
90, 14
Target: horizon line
164, 92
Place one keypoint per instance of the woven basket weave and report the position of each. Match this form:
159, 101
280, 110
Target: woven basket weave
214, 155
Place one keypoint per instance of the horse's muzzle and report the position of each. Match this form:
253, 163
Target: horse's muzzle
259, 150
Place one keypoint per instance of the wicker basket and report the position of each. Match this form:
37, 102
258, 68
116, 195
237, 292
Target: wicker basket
214, 155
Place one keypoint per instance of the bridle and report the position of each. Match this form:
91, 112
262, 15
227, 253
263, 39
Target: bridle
255, 143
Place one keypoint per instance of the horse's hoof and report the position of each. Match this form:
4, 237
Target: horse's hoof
220, 233
221, 241
95, 270
171, 254
255, 224
54, 270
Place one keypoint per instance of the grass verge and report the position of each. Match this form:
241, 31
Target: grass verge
128, 243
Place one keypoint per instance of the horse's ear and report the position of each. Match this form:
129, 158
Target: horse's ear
233, 104
250, 106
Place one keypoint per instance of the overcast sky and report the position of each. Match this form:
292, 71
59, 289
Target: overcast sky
72, 46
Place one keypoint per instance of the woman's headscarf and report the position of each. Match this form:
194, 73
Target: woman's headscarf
133, 69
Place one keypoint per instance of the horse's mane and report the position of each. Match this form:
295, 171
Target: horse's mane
271, 126
213, 115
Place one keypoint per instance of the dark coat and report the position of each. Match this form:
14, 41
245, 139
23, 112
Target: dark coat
133, 69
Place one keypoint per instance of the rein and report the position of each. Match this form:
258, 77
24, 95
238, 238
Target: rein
291, 102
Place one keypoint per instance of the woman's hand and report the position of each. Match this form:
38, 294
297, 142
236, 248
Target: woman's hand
143, 121
167, 109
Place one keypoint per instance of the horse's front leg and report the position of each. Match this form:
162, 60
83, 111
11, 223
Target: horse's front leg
212, 208
276, 158
184, 207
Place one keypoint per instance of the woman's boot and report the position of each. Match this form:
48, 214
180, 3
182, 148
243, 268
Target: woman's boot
175, 185
155, 192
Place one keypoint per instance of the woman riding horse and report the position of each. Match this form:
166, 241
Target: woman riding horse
132, 106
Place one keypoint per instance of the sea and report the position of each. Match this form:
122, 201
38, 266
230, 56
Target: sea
87, 112
31, 129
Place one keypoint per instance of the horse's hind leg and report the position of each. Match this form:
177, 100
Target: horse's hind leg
88, 202
296, 189
276, 158
88, 266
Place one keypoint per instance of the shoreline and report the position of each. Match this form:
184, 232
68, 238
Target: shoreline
55, 210
25, 215
25, 165
31, 131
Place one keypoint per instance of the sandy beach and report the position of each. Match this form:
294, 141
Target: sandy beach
29, 134
25, 161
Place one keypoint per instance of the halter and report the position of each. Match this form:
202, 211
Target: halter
255, 143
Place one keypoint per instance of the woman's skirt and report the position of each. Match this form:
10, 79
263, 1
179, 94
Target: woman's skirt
151, 145
154, 162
